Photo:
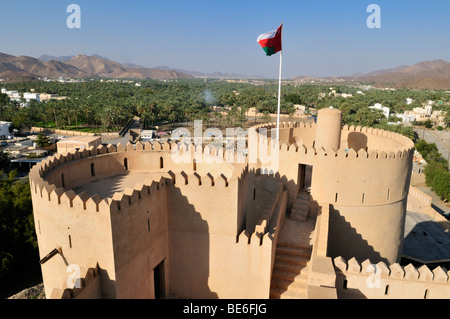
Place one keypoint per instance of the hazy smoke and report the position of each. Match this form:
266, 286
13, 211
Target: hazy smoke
209, 97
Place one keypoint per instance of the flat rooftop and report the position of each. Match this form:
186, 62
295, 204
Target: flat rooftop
80, 139
425, 239
107, 187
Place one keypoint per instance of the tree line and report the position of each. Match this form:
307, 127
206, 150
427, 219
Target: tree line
107, 106
19, 255
437, 175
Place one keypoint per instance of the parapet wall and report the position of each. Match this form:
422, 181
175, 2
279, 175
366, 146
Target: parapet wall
420, 202
87, 287
382, 281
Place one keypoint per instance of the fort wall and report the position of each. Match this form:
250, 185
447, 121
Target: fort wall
139, 226
420, 202
168, 220
80, 227
368, 188
204, 244
389, 281
202, 217
89, 286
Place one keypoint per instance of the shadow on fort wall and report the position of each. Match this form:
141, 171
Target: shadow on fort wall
189, 247
343, 236
105, 187
357, 141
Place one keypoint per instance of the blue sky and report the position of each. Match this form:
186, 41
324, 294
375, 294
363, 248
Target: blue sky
321, 37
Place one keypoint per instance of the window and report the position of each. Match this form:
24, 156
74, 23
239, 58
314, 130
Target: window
254, 194
70, 241
125, 163
386, 290
335, 198
148, 225
62, 180
161, 162
92, 170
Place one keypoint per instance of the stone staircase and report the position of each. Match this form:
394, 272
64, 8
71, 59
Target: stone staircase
290, 272
301, 207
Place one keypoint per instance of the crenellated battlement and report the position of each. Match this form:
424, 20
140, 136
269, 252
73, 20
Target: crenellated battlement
343, 153
391, 281
255, 239
181, 179
273, 125
393, 271
87, 287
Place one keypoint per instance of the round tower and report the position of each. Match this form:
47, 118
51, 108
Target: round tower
328, 131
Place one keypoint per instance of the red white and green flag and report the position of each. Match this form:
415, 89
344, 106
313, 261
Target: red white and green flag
271, 41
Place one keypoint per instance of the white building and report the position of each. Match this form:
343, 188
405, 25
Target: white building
4, 129
409, 101
427, 110
31, 96
406, 118
148, 134
385, 109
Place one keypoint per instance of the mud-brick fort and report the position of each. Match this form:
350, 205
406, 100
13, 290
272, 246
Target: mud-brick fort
130, 221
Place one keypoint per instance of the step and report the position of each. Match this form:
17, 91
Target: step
301, 202
300, 205
294, 248
301, 217
298, 212
290, 259
278, 293
303, 195
288, 285
289, 266
290, 277
294, 251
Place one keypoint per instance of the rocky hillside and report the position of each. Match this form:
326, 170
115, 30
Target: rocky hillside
433, 75
36, 292
427, 75
80, 66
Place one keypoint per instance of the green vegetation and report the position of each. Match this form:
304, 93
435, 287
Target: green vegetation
437, 175
42, 140
107, 106
17, 236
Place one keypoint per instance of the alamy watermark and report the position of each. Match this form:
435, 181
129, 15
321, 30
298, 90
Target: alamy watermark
74, 279
74, 19
238, 146
374, 20
374, 280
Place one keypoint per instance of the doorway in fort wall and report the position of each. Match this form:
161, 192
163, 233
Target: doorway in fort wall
304, 177
159, 281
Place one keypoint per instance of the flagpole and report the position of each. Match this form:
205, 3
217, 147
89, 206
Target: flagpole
279, 93
279, 98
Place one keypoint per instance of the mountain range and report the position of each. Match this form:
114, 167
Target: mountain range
79, 66
423, 75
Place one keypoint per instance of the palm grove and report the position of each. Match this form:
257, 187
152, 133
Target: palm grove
106, 106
